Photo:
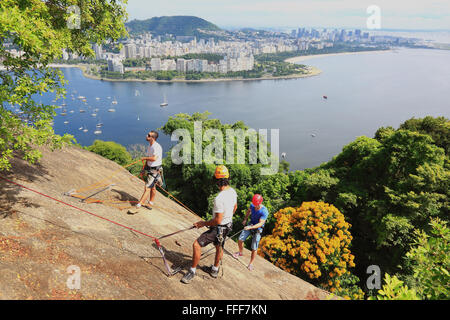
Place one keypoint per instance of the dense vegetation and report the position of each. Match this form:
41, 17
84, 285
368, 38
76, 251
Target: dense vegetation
175, 25
41, 30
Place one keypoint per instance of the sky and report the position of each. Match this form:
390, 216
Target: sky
394, 14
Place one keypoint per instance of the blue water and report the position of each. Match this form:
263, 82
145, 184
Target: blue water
365, 91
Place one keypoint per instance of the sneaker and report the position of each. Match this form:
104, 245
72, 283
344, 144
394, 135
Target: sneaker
236, 255
250, 267
213, 273
188, 277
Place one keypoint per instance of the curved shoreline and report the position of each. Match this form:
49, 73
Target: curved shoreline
313, 71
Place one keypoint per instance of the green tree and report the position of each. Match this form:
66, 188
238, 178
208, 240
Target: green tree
386, 187
193, 183
393, 289
112, 151
40, 30
430, 261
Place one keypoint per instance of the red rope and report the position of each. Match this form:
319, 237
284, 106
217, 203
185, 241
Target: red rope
85, 211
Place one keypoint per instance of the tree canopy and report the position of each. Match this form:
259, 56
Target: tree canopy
38, 31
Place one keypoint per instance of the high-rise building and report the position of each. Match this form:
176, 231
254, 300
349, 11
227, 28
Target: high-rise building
181, 65
98, 51
130, 51
115, 65
155, 64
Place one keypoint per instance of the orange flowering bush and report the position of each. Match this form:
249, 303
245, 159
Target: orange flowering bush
312, 241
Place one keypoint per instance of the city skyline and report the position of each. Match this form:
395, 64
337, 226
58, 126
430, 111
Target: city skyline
400, 15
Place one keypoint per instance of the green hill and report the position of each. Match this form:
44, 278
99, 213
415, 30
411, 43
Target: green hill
175, 25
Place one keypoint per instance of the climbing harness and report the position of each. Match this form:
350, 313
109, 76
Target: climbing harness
220, 232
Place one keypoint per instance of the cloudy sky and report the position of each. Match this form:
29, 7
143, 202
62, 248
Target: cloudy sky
395, 14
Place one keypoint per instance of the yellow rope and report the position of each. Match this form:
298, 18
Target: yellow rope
100, 183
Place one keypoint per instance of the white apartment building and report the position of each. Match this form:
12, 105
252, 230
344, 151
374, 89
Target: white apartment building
155, 64
115, 65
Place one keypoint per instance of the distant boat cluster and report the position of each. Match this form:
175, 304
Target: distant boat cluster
95, 111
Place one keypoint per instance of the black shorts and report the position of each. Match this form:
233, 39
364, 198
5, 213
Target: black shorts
210, 236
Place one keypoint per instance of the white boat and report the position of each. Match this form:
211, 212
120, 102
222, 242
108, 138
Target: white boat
98, 131
66, 122
99, 125
164, 104
97, 98
111, 110
71, 111
80, 128
114, 101
85, 129
81, 97
94, 114
82, 110
138, 118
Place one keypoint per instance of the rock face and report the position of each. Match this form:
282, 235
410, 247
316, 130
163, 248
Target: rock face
41, 238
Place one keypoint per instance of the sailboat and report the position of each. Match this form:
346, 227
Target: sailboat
138, 118
114, 101
66, 122
97, 131
85, 129
164, 104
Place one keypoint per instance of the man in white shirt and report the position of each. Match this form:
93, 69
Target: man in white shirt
153, 168
225, 205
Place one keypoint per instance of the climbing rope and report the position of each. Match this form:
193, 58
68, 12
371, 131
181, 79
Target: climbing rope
102, 183
155, 239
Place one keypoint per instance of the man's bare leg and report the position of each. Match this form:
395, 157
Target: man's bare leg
219, 254
197, 253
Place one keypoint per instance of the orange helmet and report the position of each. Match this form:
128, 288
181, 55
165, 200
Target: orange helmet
221, 172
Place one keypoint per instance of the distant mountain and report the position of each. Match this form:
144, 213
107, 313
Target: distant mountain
176, 25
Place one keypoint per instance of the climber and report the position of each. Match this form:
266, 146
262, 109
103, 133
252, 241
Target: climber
258, 217
225, 205
153, 168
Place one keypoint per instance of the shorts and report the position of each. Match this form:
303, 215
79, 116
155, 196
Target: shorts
210, 236
153, 177
255, 239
